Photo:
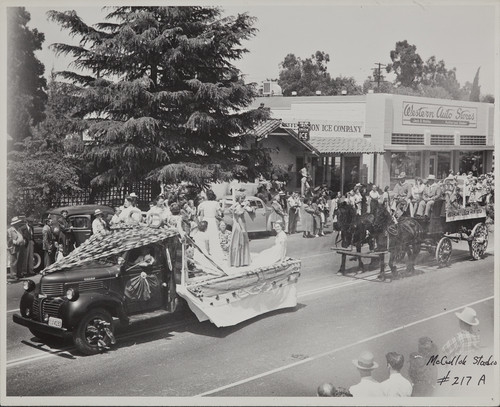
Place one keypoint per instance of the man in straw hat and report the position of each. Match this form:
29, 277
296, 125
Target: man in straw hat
15, 243
432, 191
465, 341
368, 386
400, 194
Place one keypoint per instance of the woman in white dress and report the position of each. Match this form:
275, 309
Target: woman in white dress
276, 253
208, 210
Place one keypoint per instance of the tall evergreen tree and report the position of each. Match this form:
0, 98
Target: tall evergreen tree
475, 92
159, 95
26, 84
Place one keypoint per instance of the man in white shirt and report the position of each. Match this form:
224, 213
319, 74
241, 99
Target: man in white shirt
396, 385
368, 386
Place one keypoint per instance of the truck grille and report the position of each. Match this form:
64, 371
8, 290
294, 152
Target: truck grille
51, 307
46, 306
91, 285
52, 289
36, 309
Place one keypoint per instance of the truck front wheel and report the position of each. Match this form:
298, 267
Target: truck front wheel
95, 332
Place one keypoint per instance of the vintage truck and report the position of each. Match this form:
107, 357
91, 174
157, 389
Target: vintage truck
140, 270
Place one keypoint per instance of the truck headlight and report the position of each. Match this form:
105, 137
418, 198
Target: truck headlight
72, 294
29, 285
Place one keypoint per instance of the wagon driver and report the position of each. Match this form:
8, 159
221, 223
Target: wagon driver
400, 195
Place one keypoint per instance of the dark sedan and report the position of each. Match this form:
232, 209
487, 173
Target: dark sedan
80, 217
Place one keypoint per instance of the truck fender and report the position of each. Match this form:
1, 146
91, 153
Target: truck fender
26, 302
73, 311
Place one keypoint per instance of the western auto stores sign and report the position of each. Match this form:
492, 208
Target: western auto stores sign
428, 114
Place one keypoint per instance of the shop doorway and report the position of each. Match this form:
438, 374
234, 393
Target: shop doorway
351, 172
432, 164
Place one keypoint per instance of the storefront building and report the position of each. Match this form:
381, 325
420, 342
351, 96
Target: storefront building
375, 137
423, 136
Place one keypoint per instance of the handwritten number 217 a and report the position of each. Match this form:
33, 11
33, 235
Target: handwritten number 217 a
457, 380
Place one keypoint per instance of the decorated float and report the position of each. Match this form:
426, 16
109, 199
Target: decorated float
138, 270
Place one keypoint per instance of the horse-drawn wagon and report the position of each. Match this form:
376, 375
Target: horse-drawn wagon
408, 236
454, 224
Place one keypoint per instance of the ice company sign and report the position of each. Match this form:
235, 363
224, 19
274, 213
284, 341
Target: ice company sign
327, 128
427, 114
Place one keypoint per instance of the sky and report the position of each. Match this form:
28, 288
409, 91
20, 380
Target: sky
356, 35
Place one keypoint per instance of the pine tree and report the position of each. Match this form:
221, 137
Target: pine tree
476, 89
159, 95
26, 84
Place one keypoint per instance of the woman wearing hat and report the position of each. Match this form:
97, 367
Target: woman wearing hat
130, 213
99, 225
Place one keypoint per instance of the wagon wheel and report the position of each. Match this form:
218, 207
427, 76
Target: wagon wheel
443, 251
479, 241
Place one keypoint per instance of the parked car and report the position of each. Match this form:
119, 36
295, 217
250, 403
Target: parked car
142, 271
257, 222
79, 216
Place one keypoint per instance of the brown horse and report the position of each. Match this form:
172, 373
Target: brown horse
380, 229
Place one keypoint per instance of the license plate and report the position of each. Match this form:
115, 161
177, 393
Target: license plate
55, 322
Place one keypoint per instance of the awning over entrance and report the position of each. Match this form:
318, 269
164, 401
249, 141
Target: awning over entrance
345, 145
273, 127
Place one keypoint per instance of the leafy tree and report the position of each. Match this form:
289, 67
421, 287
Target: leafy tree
305, 76
26, 84
159, 95
347, 83
488, 99
309, 75
370, 84
406, 64
38, 171
435, 74
476, 89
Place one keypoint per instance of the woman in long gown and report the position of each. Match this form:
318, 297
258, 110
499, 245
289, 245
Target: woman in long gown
308, 220
239, 249
207, 211
276, 253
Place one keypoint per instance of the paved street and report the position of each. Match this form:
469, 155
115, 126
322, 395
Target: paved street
287, 353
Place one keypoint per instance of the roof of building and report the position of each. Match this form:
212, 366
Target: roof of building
345, 145
264, 129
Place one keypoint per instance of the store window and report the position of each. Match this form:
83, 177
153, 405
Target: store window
408, 162
471, 161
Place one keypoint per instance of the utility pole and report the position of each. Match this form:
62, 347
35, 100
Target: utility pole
377, 75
